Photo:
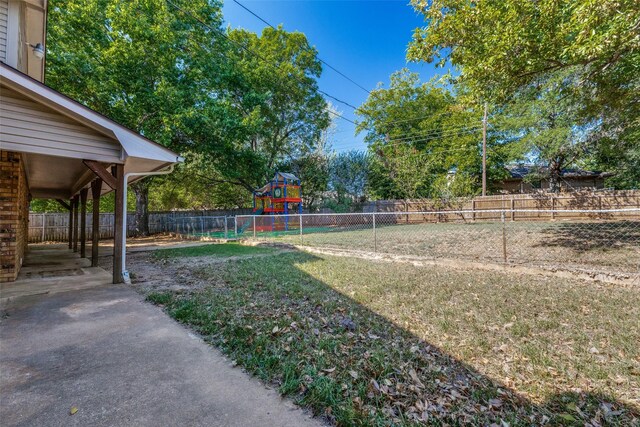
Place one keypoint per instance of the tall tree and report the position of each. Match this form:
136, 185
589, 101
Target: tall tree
140, 63
506, 48
542, 124
502, 45
419, 132
348, 175
281, 111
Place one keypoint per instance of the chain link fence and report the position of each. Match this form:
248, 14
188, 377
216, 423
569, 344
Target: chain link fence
587, 240
216, 227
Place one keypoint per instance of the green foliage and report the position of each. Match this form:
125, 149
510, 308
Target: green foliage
348, 175
418, 133
233, 102
502, 45
313, 171
275, 109
543, 125
578, 55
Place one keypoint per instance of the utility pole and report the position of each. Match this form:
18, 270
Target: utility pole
484, 151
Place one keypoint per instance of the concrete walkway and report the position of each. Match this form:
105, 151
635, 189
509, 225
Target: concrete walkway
121, 362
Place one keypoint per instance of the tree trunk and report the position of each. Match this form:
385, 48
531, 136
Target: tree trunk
555, 170
141, 191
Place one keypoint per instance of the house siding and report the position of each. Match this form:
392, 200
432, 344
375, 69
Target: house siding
4, 19
28, 124
14, 215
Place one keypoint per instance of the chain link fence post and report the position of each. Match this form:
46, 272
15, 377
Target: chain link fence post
254, 226
300, 216
235, 226
226, 228
504, 238
375, 234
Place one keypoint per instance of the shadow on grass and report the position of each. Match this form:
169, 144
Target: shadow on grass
348, 363
585, 236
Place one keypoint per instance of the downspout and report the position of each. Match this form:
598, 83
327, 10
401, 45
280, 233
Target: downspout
123, 255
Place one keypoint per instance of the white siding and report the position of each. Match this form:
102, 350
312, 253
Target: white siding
4, 11
29, 127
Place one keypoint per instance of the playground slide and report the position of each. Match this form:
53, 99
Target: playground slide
248, 223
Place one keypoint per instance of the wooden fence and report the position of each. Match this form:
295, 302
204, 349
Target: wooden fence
54, 227
550, 206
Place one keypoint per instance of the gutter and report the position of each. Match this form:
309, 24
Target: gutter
123, 255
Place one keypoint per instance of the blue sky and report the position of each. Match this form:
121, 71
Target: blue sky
364, 39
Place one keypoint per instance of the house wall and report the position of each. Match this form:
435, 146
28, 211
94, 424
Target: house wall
28, 124
4, 13
517, 186
14, 214
23, 23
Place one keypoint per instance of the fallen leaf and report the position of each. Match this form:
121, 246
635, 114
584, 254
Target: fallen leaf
353, 374
73, 410
567, 417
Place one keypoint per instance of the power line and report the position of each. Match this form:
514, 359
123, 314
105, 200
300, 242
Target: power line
435, 132
320, 59
245, 48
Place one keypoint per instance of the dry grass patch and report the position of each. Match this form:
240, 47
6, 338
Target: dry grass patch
376, 343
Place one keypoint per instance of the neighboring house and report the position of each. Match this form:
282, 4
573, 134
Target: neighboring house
52, 147
522, 179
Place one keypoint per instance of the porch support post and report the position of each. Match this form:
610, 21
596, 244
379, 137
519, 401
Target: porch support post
118, 223
71, 223
83, 222
96, 188
76, 202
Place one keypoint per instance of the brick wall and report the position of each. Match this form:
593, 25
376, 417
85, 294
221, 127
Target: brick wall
14, 215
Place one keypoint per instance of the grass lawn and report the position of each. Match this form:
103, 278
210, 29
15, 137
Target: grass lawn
370, 343
214, 250
608, 246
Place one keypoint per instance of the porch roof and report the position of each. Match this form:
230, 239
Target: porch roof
57, 135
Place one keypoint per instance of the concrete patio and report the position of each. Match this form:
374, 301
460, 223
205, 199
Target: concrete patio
71, 339
50, 269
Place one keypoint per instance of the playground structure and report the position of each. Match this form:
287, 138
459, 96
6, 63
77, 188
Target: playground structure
279, 198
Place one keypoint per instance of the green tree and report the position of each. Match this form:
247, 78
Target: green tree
419, 132
283, 112
501, 45
505, 49
140, 63
541, 124
348, 176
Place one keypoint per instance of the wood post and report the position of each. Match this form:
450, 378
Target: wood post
71, 223
96, 188
76, 200
83, 222
118, 223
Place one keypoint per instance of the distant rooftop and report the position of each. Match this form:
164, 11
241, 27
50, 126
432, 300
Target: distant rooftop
520, 171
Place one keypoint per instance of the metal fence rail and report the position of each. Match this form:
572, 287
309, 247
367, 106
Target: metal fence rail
222, 227
54, 226
599, 240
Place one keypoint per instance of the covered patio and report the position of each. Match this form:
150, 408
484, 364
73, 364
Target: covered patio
48, 269
52, 147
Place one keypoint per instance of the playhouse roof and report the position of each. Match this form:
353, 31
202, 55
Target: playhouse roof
281, 176
278, 177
